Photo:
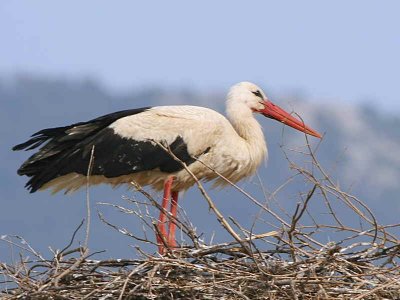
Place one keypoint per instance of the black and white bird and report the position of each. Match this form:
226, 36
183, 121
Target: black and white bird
127, 148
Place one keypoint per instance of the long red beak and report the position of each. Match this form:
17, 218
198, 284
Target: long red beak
275, 112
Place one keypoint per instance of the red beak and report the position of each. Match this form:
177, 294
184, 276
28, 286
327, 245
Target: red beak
275, 112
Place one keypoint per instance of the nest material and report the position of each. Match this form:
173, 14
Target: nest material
290, 262
218, 272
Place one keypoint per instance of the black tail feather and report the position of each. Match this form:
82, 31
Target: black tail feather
59, 145
30, 144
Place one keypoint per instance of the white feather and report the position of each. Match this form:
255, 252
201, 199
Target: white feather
236, 146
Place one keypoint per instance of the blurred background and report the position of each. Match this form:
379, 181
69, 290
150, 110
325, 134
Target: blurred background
336, 64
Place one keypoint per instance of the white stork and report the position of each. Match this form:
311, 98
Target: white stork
127, 148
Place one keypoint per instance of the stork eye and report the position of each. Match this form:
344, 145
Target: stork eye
258, 94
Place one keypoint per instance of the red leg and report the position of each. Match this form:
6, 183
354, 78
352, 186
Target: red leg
172, 225
163, 217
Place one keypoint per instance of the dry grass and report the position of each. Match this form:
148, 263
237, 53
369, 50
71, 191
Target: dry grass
290, 261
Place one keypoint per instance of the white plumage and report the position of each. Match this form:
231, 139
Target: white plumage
126, 147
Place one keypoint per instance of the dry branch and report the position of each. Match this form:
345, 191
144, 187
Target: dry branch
291, 262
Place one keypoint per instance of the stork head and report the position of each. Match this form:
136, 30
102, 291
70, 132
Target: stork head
248, 96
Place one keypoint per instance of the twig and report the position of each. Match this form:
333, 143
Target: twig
88, 211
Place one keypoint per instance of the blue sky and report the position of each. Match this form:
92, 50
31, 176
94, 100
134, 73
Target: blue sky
337, 50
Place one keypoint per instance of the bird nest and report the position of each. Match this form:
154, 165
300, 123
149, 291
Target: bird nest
291, 261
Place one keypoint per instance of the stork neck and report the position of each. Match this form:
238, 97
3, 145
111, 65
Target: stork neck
247, 127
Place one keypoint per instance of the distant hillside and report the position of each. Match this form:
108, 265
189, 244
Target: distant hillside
360, 150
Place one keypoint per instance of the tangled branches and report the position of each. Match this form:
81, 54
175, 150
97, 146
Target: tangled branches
291, 261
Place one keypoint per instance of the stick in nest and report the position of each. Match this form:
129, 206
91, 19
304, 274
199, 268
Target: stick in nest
293, 261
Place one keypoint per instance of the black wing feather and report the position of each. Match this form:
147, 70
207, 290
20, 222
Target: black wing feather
68, 149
